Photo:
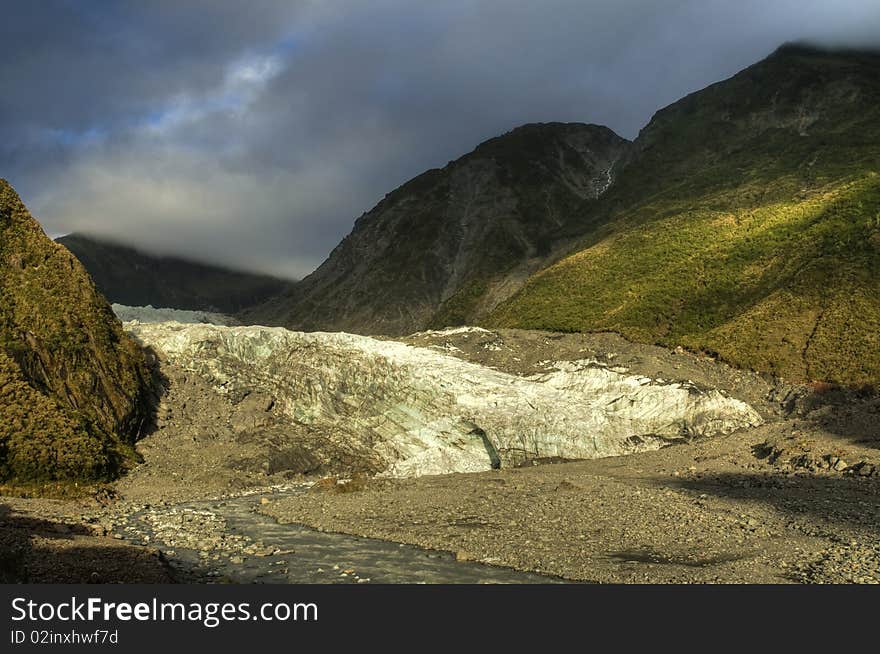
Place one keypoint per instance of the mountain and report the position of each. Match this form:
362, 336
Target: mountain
746, 224
134, 278
74, 388
448, 245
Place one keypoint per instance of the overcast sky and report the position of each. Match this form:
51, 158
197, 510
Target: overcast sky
254, 133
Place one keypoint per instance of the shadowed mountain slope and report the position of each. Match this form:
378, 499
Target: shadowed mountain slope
134, 278
448, 245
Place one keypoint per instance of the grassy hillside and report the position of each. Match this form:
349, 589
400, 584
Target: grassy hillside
747, 224
73, 386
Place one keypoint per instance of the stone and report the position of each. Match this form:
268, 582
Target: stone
865, 469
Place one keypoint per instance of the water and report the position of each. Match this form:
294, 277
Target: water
294, 554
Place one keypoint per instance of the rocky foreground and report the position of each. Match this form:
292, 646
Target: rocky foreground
707, 512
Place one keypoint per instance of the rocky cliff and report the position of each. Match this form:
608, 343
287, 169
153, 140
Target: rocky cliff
445, 247
73, 386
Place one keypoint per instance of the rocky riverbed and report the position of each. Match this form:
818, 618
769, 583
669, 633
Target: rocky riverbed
229, 540
707, 512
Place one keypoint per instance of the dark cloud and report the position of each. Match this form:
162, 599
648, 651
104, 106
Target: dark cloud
254, 133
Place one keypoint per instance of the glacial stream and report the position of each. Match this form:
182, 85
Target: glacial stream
228, 541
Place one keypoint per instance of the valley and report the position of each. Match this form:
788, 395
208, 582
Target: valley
565, 356
789, 495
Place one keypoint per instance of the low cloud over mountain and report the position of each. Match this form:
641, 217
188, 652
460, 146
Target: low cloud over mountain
254, 134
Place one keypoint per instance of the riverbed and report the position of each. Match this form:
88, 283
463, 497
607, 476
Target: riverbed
228, 541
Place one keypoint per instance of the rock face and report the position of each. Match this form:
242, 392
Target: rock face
445, 247
134, 278
73, 387
411, 411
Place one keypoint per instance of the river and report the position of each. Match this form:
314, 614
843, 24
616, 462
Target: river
229, 541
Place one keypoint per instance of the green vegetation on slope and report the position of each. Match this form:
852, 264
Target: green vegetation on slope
39, 440
747, 225
73, 386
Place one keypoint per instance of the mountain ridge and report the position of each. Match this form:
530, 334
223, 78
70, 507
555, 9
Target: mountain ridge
739, 222
127, 275
745, 225
440, 243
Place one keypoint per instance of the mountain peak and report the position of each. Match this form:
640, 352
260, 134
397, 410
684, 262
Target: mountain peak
815, 50
438, 249
744, 224
534, 139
